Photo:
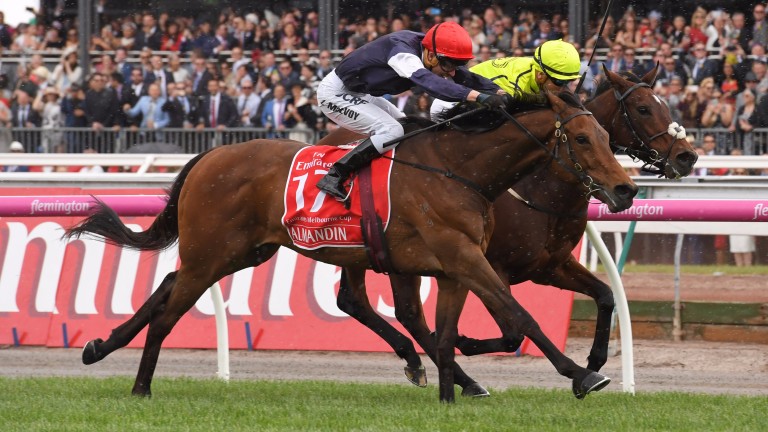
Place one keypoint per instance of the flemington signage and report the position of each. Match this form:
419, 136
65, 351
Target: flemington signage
56, 207
290, 301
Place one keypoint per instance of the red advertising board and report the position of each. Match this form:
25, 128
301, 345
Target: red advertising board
47, 284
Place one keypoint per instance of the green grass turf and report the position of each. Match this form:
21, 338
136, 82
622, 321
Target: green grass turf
694, 269
91, 404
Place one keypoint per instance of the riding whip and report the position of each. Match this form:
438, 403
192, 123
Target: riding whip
599, 35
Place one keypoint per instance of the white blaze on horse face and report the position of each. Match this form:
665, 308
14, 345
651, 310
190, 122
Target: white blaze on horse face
658, 101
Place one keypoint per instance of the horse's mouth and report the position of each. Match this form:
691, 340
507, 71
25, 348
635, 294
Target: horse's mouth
681, 165
617, 199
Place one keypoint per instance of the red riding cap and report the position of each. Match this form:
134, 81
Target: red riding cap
449, 39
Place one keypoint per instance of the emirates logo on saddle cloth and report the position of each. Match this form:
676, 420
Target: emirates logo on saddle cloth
315, 220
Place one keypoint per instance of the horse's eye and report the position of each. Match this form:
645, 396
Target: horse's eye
643, 110
581, 139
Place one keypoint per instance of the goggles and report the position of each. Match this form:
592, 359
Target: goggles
449, 64
558, 82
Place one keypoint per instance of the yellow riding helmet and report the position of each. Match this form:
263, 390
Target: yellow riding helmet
558, 59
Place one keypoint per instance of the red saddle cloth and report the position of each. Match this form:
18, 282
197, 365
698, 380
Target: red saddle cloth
314, 219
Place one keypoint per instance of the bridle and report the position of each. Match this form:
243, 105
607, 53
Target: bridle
653, 162
561, 137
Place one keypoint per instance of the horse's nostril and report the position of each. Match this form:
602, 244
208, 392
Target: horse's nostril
625, 191
687, 159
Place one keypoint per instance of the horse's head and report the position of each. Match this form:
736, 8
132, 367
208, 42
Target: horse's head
582, 148
641, 125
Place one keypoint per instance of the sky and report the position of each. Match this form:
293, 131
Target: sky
15, 12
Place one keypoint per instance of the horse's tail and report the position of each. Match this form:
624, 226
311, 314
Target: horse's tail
163, 232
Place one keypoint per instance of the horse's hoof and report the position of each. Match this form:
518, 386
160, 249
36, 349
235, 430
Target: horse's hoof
141, 393
90, 355
591, 383
475, 390
417, 376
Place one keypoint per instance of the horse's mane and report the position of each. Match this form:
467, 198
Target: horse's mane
571, 99
605, 84
487, 120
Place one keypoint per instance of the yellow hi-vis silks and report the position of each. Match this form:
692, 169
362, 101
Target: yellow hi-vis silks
515, 75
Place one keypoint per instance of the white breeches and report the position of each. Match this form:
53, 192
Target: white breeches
360, 112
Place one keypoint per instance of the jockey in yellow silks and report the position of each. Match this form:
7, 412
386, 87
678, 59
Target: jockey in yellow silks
554, 65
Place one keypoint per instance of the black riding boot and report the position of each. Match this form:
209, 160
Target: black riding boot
360, 156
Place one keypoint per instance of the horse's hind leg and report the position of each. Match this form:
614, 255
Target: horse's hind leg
410, 312
353, 300
451, 297
192, 280
97, 349
189, 288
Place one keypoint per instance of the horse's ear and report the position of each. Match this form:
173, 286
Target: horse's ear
613, 78
650, 76
555, 101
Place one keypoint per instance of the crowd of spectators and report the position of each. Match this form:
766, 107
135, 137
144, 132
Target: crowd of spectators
260, 69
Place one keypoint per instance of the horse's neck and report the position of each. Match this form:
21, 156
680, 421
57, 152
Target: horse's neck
604, 109
550, 194
497, 159
545, 190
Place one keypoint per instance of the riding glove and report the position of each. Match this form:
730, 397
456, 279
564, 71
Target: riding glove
492, 101
530, 98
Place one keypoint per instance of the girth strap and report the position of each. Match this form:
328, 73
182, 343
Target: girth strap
373, 231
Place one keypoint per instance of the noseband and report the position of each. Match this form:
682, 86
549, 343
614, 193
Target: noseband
652, 160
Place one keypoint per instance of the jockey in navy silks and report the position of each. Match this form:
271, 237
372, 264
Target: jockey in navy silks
351, 95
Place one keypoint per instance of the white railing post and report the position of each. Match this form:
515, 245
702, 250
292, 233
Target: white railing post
622, 308
222, 332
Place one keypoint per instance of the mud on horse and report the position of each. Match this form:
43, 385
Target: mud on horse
230, 200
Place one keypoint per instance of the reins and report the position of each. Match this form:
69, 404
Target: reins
577, 170
448, 174
546, 210
560, 136
645, 153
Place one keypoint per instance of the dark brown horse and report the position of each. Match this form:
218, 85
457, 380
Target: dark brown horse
226, 204
533, 239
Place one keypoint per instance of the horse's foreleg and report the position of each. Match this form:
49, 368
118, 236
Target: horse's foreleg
584, 381
513, 319
352, 299
410, 313
450, 301
505, 344
97, 349
573, 276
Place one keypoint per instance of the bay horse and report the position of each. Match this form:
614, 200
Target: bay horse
225, 207
534, 235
